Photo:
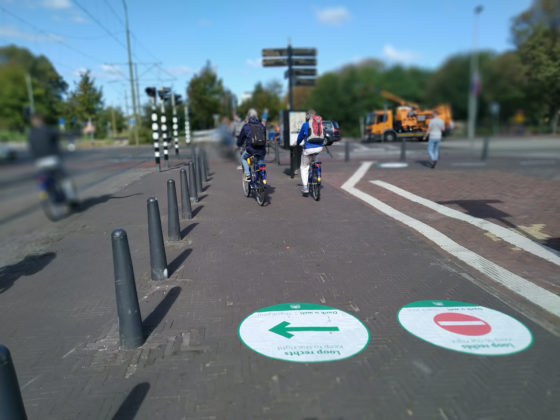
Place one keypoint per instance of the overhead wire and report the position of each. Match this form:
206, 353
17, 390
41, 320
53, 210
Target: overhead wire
50, 35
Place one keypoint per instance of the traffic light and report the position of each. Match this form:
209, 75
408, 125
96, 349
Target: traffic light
151, 92
164, 93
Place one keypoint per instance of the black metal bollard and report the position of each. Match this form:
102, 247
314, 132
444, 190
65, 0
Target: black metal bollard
158, 260
199, 172
204, 162
128, 310
485, 147
403, 149
173, 226
186, 209
11, 403
192, 182
346, 151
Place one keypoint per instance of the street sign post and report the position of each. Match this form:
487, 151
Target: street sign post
292, 57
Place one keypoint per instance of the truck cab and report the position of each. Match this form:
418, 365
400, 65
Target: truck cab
379, 126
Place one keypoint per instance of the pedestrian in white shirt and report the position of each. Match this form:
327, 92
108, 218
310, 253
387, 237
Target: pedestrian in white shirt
436, 127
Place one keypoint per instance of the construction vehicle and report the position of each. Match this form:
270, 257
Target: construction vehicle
408, 120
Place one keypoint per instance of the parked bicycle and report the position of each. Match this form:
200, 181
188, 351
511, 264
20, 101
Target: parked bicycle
257, 182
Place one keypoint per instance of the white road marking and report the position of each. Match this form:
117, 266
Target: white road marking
536, 294
520, 241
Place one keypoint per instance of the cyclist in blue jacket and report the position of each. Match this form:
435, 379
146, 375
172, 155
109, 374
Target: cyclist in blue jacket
244, 139
312, 147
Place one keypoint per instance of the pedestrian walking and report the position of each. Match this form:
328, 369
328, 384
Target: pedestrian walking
435, 130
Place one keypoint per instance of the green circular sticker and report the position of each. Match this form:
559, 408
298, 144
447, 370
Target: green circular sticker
465, 327
303, 332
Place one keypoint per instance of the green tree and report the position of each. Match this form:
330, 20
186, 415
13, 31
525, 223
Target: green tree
104, 122
206, 98
47, 85
264, 97
84, 102
536, 33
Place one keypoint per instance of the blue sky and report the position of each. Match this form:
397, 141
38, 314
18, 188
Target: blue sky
181, 35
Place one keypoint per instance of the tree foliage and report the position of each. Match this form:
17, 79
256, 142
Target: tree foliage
536, 32
264, 97
206, 98
84, 102
47, 85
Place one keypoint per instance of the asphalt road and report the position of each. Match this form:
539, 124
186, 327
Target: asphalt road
352, 252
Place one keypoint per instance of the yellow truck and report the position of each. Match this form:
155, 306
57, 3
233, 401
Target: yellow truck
407, 121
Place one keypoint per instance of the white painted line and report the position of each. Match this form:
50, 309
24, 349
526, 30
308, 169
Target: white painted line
514, 238
469, 164
393, 165
536, 294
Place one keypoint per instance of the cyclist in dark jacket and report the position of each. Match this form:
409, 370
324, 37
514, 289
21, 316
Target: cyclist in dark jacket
43, 145
244, 140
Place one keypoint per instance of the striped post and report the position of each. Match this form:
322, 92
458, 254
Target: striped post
187, 126
175, 125
155, 132
163, 121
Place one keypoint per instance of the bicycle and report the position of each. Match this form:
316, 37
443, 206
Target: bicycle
54, 189
257, 182
314, 179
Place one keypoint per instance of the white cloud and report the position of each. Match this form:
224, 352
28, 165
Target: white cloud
13, 32
254, 62
111, 72
56, 4
78, 19
405, 57
79, 71
180, 70
334, 16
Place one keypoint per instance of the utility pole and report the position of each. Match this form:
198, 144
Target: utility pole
137, 90
474, 85
30, 93
131, 75
114, 120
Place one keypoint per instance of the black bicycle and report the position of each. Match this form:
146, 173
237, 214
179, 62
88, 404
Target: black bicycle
314, 179
256, 182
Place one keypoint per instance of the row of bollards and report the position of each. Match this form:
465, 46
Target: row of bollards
11, 403
130, 322
131, 332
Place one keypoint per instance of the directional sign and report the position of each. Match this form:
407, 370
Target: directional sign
275, 62
274, 52
465, 327
304, 61
301, 72
283, 52
303, 332
304, 82
304, 51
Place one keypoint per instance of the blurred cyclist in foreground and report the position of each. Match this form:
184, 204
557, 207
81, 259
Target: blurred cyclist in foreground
44, 148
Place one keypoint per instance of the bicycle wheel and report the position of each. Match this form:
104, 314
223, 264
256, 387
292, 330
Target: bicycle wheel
315, 186
246, 185
260, 191
54, 203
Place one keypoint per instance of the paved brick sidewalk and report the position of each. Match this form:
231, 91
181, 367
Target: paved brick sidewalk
235, 258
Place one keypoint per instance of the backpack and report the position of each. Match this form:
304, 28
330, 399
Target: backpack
258, 137
315, 132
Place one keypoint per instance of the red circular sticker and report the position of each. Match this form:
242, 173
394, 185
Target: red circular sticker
462, 324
